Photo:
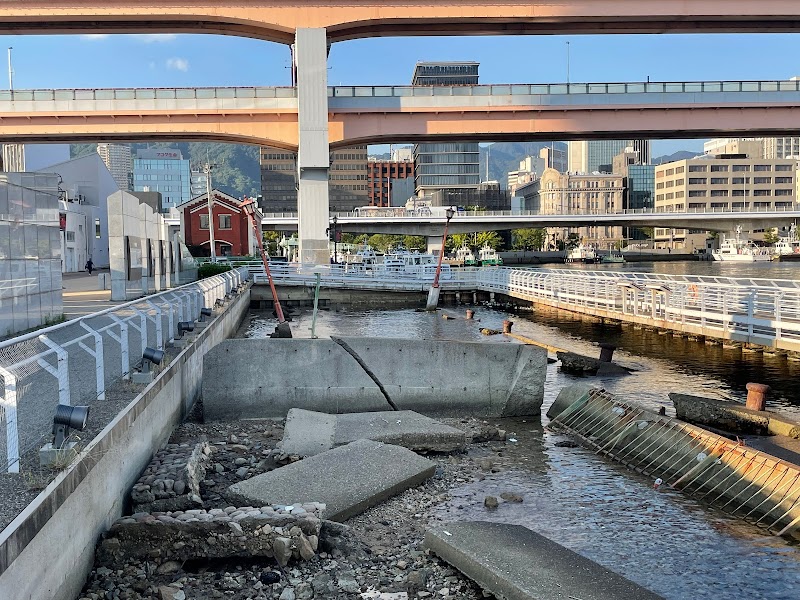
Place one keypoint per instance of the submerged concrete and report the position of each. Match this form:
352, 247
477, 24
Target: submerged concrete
435, 378
514, 563
348, 479
308, 433
732, 416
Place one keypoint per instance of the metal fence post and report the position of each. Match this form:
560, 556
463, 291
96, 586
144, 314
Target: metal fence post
122, 338
159, 332
62, 370
142, 327
97, 354
10, 410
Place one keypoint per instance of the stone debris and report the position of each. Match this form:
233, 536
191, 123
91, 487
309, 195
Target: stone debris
348, 479
172, 479
583, 366
308, 432
169, 538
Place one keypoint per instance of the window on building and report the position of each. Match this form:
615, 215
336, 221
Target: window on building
719, 168
203, 221
719, 193
719, 181
97, 232
679, 170
738, 193
762, 179
783, 168
783, 180
697, 180
783, 192
740, 180
783, 205
762, 168
670, 171
697, 168
696, 205
224, 221
697, 193
719, 205
762, 192
741, 168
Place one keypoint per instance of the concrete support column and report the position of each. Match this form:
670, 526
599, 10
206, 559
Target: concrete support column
313, 156
434, 244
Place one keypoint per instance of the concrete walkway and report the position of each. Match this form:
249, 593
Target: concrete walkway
81, 295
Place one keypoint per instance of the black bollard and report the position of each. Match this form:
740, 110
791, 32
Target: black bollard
607, 352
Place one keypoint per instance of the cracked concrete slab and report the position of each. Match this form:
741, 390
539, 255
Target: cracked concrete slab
308, 432
348, 479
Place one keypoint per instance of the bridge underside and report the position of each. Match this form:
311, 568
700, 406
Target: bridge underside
277, 20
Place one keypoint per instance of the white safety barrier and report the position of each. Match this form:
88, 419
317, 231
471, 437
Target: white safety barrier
29, 400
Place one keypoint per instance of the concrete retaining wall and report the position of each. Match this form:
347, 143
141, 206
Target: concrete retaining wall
435, 378
48, 550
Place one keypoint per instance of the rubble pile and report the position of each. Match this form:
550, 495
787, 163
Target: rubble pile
172, 479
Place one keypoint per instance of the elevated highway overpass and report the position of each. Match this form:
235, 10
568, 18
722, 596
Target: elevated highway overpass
278, 20
432, 226
381, 114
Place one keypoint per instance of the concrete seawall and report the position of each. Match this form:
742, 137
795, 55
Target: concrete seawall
48, 550
435, 378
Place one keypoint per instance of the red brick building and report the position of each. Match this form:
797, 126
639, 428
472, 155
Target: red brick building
379, 176
233, 234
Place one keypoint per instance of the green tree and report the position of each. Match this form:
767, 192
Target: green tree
381, 242
488, 238
528, 239
770, 236
414, 241
457, 240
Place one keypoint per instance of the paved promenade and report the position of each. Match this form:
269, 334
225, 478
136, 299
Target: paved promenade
81, 294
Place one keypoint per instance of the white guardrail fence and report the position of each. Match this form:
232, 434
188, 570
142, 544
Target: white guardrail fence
759, 311
77, 361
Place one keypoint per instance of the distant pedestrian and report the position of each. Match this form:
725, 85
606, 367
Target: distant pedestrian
89, 266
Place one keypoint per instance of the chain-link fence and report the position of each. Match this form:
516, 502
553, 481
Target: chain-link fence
75, 362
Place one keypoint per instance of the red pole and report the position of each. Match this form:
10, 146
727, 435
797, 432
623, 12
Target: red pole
276, 302
441, 255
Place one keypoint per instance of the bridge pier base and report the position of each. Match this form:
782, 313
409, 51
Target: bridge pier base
310, 56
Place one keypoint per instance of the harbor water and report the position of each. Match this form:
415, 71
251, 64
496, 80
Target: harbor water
663, 540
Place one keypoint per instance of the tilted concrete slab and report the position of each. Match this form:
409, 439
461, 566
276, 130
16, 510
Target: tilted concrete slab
348, 479
567, 396
308, 433
515, 563
435, 378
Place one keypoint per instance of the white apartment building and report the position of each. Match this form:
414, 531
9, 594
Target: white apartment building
117, 158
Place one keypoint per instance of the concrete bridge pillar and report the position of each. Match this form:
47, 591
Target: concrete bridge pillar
310, 55
434, 244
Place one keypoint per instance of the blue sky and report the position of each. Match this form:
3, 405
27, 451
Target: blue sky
203, 60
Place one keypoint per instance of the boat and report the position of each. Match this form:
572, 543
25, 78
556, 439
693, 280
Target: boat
740, 249
787, 248
465, 256
612, 257
487, 257
364, 261
402, 262
581, 253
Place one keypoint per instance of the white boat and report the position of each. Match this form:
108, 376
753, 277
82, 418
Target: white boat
789, 244
740, 249
464, 256
401, 262
487, 257
365, 260
581, 253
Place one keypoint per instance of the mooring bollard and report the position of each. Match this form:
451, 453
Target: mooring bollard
507, 326
607, 352
470, 314
757, 396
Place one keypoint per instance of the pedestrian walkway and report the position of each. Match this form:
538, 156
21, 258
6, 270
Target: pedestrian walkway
81, 295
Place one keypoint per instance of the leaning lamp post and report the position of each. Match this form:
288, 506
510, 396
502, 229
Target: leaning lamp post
433, 294
282, 330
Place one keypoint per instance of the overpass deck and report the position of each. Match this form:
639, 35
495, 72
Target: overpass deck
366, 114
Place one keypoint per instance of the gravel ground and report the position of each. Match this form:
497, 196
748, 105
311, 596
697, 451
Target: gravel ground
18, 490
384, 553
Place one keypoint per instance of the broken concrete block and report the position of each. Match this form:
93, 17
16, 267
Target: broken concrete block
348, 479
199, 534
172, 479
308, 433
515, 563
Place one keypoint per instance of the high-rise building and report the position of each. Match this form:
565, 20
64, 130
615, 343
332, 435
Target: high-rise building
530, 168
163, 170
554, 158
381, 178
781, 147
597, 156
19, 158
118, 161
446, 165
348, 179
752, 147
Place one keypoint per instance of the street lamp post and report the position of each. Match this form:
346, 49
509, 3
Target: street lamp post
335, 221
282, 330
433, 293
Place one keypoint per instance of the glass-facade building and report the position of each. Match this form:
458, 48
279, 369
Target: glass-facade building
641, 191
592, 156
447, 165
163, 170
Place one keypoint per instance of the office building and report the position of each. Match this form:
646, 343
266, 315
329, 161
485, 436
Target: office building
597, 156
721, 182
530, 168
554, 158
567, 193
487, 196
446, 165
751, 147
638, 186
781, 147
163, 170
347, 176
117, 158
382, 176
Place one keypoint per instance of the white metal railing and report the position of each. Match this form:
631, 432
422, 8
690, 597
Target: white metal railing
84, 356
762, 311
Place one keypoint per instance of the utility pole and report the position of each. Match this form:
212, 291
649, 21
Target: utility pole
212, 244
10, 73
